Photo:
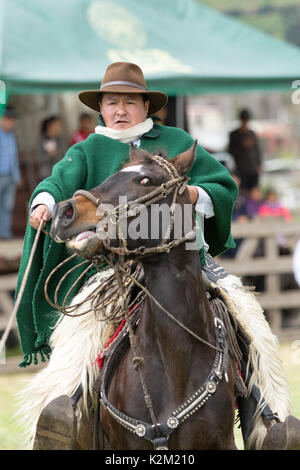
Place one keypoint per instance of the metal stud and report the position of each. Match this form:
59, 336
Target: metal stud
211, 387
218, 373
140, 430
172, 422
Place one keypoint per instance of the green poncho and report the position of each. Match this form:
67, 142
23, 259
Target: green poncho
86, 165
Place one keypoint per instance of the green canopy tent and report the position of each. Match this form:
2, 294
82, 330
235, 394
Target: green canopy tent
182, 46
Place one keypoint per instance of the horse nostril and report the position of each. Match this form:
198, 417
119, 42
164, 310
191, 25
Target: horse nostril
67, 214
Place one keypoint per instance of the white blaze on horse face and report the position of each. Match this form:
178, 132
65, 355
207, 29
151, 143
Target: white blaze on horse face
134, 168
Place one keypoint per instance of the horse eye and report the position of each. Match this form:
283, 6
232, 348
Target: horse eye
145, 181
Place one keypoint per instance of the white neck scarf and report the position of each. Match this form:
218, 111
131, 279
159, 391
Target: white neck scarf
128, 135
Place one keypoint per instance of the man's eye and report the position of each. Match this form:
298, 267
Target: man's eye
145, 181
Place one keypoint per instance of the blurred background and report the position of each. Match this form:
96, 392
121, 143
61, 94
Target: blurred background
232, 73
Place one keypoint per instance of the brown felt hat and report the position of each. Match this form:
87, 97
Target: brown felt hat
123, 77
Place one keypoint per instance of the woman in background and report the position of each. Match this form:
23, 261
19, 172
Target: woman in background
51, 146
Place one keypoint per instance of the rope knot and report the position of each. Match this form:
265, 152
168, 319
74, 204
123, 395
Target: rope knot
138, 363
214, 292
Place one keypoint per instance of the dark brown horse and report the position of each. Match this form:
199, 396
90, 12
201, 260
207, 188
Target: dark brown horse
178, 365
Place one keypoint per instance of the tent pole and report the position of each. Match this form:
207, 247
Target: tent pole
180, 112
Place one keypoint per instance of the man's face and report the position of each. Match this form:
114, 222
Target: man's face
8, 123
123, 111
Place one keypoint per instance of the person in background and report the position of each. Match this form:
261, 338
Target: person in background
271, 207
9, 171
51, 146
239, 214
243, 146
85, 128
253, 202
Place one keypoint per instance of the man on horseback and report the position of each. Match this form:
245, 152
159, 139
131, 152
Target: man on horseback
125, 107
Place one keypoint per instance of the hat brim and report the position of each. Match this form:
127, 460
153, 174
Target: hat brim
91, 98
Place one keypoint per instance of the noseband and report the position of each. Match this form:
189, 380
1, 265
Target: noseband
132, 209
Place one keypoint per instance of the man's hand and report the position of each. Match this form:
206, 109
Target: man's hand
41, 212
193, 192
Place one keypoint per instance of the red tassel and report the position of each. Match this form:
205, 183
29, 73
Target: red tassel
100, 360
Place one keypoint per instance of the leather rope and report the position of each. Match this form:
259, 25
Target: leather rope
138, 361
21, 291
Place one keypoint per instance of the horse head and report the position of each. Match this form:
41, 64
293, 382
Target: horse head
89, 218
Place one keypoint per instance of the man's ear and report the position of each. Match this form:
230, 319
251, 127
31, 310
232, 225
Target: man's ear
184, 161
147, 104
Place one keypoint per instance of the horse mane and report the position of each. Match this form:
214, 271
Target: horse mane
139, 156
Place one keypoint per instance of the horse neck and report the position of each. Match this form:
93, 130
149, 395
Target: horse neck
175, 281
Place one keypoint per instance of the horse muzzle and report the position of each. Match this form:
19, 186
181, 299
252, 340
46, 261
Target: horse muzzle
63, 217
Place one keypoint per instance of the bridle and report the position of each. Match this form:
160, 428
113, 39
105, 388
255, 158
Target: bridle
176, 183
124, 254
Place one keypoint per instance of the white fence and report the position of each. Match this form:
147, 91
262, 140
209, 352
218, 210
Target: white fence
271, 264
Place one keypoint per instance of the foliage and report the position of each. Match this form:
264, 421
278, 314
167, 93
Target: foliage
280, 18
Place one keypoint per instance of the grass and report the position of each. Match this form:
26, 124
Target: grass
10, 384
277, 20
10, 438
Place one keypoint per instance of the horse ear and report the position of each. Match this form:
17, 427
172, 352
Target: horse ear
134, 153
184, 161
